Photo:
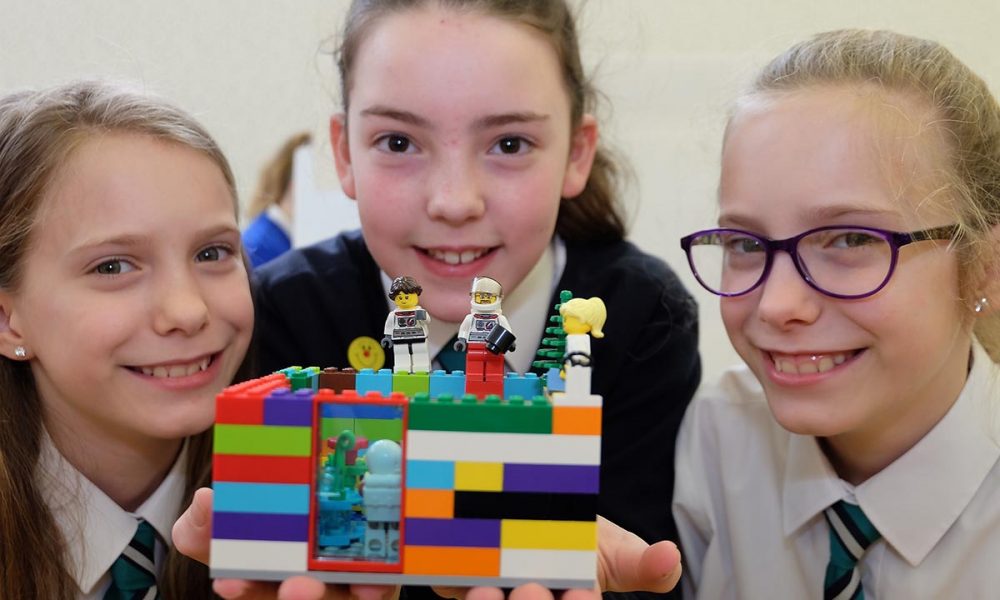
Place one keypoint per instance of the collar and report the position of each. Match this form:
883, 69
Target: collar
95, 528
526, 308
922, 486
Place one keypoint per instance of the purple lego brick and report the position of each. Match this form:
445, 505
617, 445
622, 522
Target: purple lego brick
284, 407
470, 533
260, 526
569, 479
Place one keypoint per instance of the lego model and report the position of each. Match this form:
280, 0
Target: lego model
406, 327
403, 479
485, 335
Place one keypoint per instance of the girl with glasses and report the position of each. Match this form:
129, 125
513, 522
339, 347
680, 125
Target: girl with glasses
858, 261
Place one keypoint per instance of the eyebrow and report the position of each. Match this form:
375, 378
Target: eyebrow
486, 122
820, 215
134, 241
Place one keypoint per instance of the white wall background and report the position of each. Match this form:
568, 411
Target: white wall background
255, 71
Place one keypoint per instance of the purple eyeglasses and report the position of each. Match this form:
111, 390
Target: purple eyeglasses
841, 261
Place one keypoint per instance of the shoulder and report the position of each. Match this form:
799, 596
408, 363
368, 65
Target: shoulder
335, 262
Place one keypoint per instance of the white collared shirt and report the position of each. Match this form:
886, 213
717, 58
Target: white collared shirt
749, 500
95, 528
527, 308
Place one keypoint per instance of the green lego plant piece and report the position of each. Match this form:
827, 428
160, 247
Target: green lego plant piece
491, 415
551, 351
263, 440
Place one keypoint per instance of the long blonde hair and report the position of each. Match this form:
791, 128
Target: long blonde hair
962, 104
39, 130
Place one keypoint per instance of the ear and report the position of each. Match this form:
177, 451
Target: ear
991, 286
10, 336
342, 154
583, 147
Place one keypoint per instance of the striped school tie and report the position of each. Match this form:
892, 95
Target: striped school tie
851, 533
133, 574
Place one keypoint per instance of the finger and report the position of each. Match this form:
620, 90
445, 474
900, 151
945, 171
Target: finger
531, 591
484, 593
627, 563
192, 533
450, 592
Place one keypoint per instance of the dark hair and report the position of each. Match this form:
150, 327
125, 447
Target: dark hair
39, 131
406, 285
596, 214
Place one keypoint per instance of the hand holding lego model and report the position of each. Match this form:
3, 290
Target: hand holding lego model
406, 327
625, 563
192, 534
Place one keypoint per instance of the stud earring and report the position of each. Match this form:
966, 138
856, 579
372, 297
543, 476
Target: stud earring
20, 352
981, 305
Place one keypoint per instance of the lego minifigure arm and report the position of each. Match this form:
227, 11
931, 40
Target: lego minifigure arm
390, 322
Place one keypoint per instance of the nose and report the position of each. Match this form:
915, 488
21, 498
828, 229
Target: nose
785, 298
179, 306
455, 193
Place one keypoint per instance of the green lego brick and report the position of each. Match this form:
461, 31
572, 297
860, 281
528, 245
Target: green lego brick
411, 384
373, 429
443, 414
263, 440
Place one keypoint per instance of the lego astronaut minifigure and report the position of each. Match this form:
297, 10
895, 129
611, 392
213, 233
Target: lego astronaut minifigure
382, 495
485, 335
406, 328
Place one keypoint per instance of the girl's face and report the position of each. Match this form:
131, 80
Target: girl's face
899, 358
135, 303
459, 149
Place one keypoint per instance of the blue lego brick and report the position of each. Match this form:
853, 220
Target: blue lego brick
359, 411
525, 386
430, 474
285, 407
266, 498
371, 381
554, 382
443, 383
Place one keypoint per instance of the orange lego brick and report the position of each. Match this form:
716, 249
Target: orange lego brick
439, 560
576, 420
437, 504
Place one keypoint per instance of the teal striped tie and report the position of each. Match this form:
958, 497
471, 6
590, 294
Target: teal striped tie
851, 533
133, 574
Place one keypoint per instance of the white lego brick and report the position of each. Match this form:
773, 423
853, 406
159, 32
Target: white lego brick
256, 555
522, 448
548, 564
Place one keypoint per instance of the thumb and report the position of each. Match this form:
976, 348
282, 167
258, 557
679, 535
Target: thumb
192, 533
626, 563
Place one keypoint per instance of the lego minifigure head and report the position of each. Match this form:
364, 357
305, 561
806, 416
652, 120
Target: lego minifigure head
486, 293
405, 292
584, 316
383, 457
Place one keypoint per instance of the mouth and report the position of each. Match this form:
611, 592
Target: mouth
457, 256
812, 362
176, 369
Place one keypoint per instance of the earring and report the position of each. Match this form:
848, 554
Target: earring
20, 352
981, 305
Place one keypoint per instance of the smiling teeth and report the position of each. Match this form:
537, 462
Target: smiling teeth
812, 364
456, 258
176, 370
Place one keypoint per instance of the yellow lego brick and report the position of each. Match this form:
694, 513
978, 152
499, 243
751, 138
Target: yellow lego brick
548, 535
479, 476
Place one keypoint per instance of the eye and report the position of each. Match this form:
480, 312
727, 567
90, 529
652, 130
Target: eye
511, 145
213, 254
855, 239
115, 266
743, 244
395, 143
